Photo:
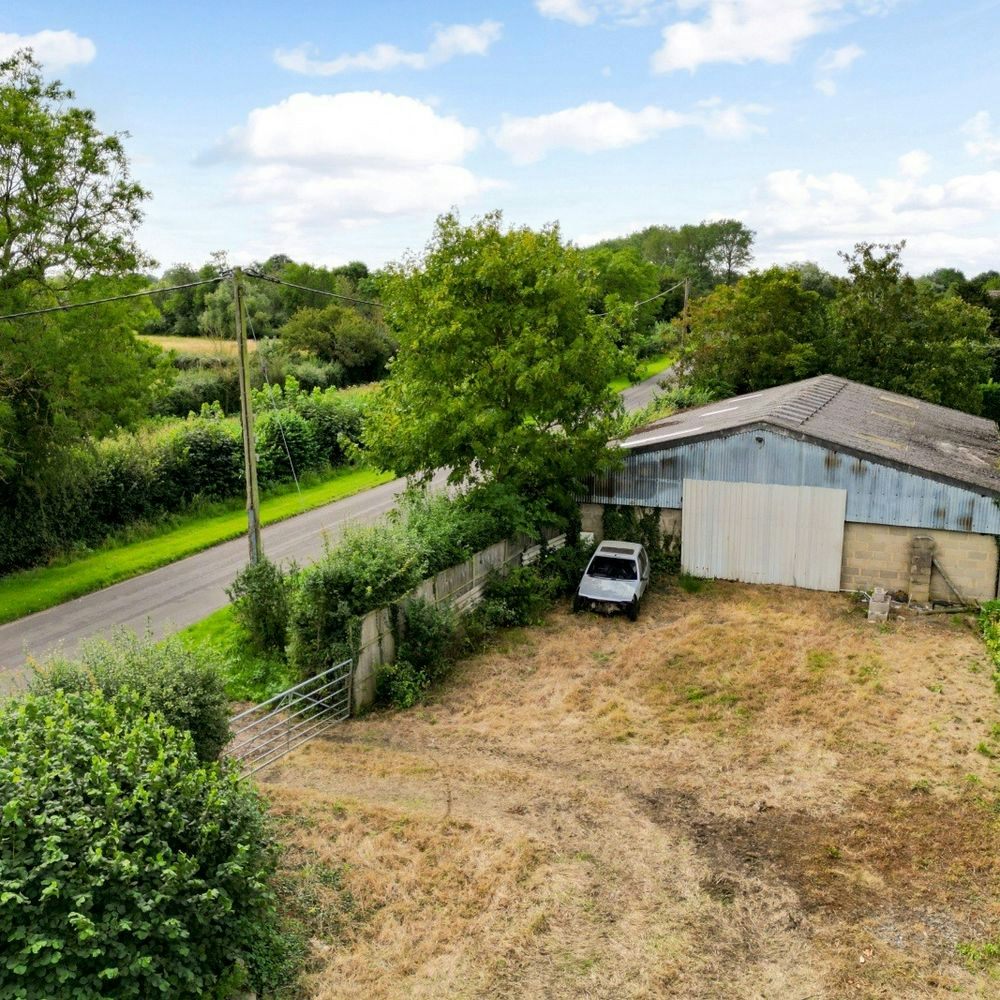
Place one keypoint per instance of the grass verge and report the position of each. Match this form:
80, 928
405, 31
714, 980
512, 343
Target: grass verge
249, 674
44, 587
647, 369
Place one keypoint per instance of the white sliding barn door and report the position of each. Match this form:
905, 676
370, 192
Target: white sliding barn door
759, 533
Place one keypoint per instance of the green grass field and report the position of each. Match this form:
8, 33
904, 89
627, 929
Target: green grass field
44, 587
648, 368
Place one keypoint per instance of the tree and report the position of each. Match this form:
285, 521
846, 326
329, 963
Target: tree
501, 369
891, 333
732, 248
68, 213
67, 204
342, 335
763, 331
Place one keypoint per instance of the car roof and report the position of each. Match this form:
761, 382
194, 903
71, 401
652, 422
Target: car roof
612, 548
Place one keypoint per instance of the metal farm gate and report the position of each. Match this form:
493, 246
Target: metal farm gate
266, 732
763, 533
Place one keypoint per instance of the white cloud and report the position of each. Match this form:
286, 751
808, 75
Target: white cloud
585, 12
55, 50
448, 42
835, 61
574, 11
741, 31
602, 125
319, 161
982, 141
916, 163
803, 215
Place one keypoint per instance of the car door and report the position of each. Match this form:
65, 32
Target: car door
643, 571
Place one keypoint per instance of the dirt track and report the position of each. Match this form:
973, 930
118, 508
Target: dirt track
751, 793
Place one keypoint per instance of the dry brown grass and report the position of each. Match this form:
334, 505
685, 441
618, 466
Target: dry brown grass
749, 793
217, 347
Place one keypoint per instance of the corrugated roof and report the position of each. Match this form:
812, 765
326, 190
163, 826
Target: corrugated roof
904, 432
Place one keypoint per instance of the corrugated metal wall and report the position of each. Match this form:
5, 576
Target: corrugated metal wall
762, 533
876, 494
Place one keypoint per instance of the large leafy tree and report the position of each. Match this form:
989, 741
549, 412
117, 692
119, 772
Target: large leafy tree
502, 369
68, 212
763, 331
891, 332
67, 202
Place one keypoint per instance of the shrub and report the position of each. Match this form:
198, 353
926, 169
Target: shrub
127, 866
184, 685
371, 567
197, 384
399, 684
565, 566
428, 635
122, 487
260, 605
519, 598
281, 434
991, 400
201, 458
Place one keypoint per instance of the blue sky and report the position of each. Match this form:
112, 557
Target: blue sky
337, 131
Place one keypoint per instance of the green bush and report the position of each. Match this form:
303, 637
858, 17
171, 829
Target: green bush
991, 400
281, 435
128, 868
184, 685
260, 605
203, 457
199, 383
371, 567
565, 567
521, 597
400, 684
428, 635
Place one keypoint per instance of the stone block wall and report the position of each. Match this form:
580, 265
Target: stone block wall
880, 555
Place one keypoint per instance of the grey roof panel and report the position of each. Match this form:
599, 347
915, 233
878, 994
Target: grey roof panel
905, 432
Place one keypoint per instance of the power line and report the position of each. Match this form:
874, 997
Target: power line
113, 298
652, 298
306, 288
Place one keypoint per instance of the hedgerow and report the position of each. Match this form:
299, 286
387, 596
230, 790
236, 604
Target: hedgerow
136, 478
128, 867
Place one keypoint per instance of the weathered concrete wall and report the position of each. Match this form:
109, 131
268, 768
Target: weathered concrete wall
881, 555
461, 586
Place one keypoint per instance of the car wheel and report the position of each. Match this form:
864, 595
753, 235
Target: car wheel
577, 604
633, 609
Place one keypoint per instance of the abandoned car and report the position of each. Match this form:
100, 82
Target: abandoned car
615, 579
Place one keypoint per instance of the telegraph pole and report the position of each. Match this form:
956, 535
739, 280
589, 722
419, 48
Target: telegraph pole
246, 419
686, 327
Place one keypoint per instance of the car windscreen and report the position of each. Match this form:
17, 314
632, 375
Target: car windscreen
609, 568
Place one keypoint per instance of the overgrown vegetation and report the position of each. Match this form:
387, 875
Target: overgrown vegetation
127, 865
642, 526
183, 685
130, 480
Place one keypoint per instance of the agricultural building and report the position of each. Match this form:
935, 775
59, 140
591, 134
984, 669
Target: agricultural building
825, 484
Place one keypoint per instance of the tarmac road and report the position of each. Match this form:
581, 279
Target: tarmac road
184, 592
